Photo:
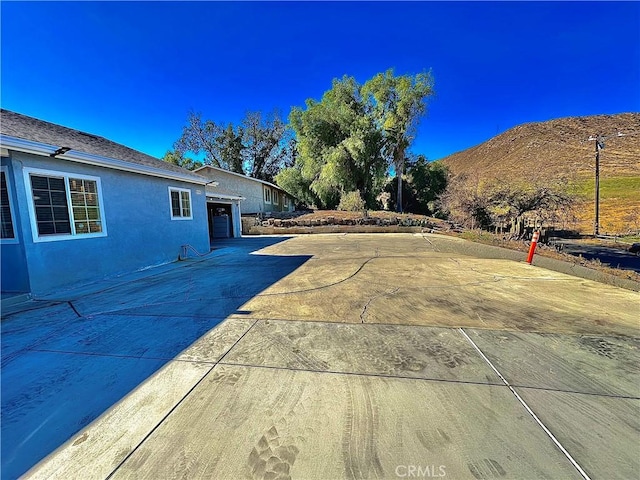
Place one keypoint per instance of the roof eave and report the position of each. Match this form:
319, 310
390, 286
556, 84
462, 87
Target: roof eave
240, 175
225, 196
37, 148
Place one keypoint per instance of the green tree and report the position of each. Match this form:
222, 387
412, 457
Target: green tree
428, 181
291, 180
339, 147
177, 159
398, 103
424, 183
541, 198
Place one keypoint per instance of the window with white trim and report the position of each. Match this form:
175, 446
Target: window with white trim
267, 195
8, 232
285, 201
65, 205
276, 198
180, 203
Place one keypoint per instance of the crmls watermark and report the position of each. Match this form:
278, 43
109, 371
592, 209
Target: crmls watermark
421, 471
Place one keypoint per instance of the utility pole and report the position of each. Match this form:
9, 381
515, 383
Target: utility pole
599, 139
599, 146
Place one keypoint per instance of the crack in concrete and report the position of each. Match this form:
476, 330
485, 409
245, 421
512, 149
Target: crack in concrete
366, 305
74, 309
429, 242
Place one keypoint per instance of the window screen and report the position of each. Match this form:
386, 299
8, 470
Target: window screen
84, 200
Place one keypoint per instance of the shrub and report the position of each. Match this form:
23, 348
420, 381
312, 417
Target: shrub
351, 202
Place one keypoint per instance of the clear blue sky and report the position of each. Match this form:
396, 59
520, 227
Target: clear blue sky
131, 71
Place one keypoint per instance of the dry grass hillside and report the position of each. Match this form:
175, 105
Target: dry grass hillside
559, 148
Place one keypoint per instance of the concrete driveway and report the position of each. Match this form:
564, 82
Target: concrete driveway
327, 356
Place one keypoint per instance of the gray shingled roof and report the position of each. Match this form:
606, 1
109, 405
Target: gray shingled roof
29, 128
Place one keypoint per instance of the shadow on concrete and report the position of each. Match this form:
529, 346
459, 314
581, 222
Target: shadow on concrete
65, 364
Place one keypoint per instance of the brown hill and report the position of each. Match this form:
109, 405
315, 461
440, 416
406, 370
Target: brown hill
560, 148
555, 147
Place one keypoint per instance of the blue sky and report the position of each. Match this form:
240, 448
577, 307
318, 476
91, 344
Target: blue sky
132, 71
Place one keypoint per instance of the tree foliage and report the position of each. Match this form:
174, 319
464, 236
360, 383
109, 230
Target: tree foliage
230, 148
424, 183
267, 145
398, 103
347, 140
200, 137
179, 160
351, 202
338, 145
259, 147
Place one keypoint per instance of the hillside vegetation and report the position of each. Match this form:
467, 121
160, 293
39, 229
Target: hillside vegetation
560, 149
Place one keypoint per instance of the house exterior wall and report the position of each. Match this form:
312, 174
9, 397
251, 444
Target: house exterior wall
277, 205
137, 216
236, 185
251, 189
13, 262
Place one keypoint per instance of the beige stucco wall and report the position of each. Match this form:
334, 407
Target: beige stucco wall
250, 189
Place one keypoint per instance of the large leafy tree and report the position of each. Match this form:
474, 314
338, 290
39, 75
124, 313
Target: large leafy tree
339, 147
350, 138
292, 181
424, 183
428, 182
398, 104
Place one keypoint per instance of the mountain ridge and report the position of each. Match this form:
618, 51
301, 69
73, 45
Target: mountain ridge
555, 141
561, 149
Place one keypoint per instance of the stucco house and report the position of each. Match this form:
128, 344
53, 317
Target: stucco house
230, 195
77, 207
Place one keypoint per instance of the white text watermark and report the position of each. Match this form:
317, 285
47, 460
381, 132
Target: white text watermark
421, 471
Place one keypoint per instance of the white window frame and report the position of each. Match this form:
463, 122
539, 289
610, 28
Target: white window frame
267, 195
276, 197
15, 238
180, 190
28, 171
285, 201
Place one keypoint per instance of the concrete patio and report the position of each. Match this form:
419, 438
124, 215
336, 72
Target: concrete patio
326, 356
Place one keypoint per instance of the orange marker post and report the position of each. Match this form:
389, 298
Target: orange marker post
532, 248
